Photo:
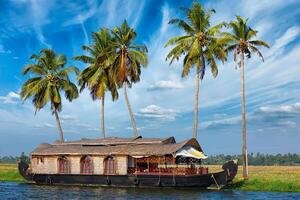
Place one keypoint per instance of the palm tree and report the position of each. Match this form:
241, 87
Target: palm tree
97, 76
50, 77
199, 45
128, 60
241, 41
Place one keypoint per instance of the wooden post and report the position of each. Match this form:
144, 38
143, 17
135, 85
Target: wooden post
159, 168
148, 165
135, 160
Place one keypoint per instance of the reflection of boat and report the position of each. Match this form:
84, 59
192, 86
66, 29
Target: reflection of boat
124, 162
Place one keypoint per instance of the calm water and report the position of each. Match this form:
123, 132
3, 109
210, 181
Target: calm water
10, 190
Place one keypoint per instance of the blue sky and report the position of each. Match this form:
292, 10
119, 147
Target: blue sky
162, 101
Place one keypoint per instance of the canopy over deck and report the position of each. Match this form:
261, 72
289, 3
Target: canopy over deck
189, 151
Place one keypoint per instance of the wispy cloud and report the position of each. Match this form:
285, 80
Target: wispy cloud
3, 50
293, 108
289, 36
156, 112
45, 125
69, 118
166, 84
10, 98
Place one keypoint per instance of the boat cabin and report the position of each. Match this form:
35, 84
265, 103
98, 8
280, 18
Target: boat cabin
119, 156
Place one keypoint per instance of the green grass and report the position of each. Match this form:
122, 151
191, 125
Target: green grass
9, 172
267, 178
261, 178
256, 184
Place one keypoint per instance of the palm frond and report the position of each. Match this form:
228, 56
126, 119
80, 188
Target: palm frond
255, 50
259, 43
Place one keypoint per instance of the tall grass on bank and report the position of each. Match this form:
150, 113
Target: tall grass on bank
9, 172
266, 178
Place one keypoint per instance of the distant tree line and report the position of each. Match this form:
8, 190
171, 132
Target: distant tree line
14, 159
256, 159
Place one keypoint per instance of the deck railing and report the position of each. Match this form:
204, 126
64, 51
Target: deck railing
168, 171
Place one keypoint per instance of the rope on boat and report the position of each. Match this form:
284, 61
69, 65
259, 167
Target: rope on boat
215, 181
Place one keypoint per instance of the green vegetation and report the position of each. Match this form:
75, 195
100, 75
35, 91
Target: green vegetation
14, 159
98, 76
257, 159
9, 172
257, 184
48, 79
128, 59
199, 46
243, 43
269, 178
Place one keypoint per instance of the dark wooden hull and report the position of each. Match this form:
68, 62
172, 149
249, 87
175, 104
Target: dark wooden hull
219, 179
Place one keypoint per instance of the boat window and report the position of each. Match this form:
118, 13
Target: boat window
40, 160
86, 165
110, 165
63, 165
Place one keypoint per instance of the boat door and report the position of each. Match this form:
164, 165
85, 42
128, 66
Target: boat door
110, 165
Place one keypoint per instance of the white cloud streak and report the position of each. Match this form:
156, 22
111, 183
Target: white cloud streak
10, 98
156, 112
166, 84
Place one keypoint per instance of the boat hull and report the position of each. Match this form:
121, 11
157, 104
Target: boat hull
218, 179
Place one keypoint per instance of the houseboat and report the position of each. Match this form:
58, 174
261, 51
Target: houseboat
117, 161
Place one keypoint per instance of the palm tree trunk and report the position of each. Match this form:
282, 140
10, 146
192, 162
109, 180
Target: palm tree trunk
102, 117
134, 129
244, 148
196, 104
61, 134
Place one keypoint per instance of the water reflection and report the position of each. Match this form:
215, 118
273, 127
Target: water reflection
10, 190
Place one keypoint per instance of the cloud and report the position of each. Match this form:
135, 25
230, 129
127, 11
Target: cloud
3, 50
10, 98
283, 109
70, 132
290, 124
31, 16
93, 129
83, 125
156, 112
289, 36
265, 116
220, 123
166, 84
68, 118
45, 125
138, 128
83, 16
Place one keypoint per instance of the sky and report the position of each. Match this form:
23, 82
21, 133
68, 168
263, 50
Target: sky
162, 101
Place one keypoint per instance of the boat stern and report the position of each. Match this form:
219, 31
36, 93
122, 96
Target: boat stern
24, 170
231, 169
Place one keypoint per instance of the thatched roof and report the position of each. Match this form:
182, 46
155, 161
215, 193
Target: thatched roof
119, 141
115, 146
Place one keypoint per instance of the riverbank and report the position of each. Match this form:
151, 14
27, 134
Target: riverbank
262, 178
9, 172
267, 178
